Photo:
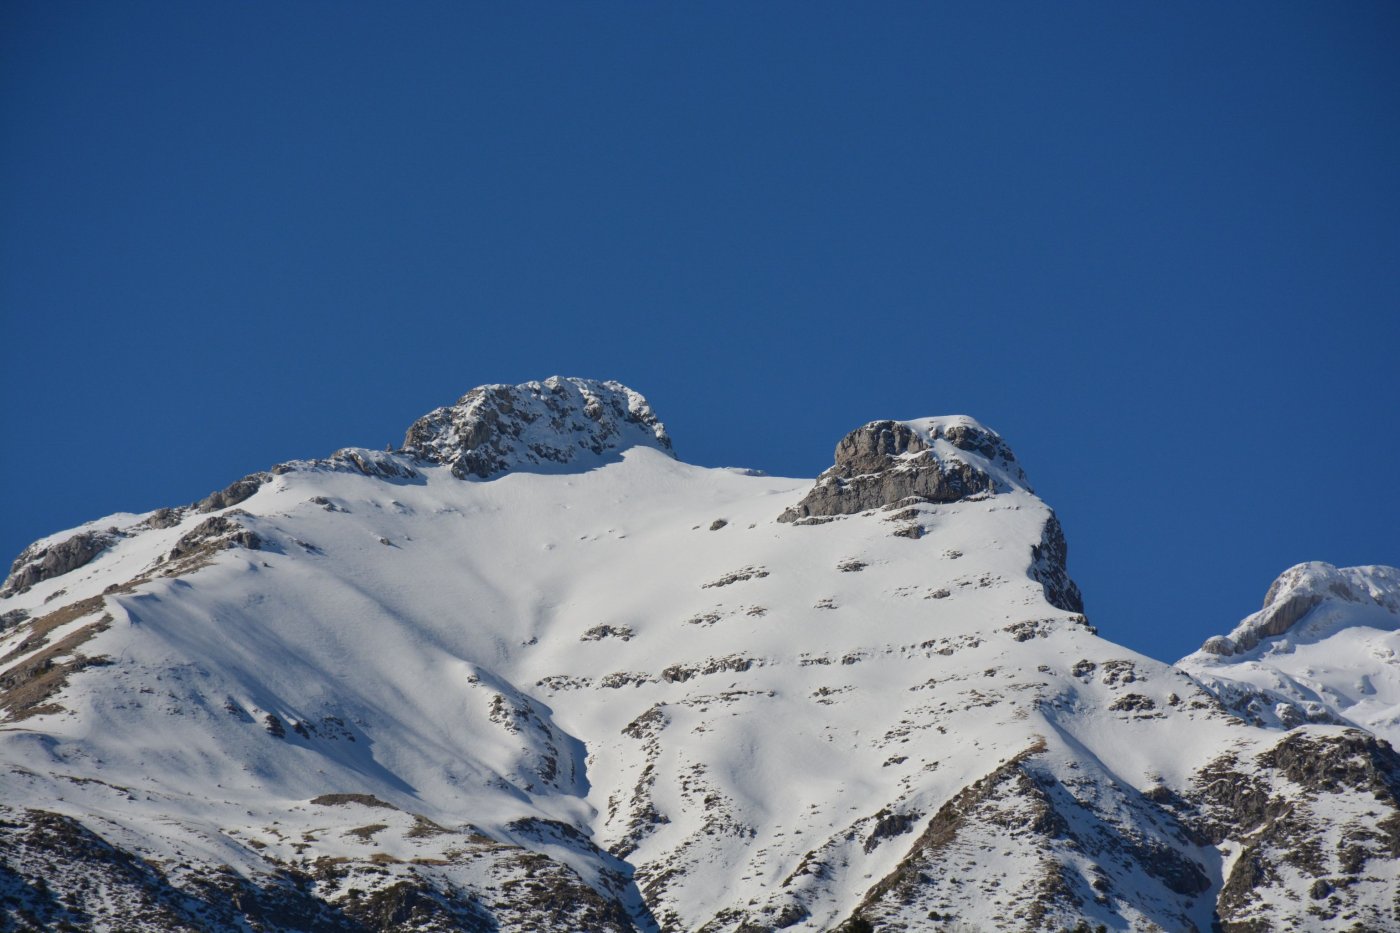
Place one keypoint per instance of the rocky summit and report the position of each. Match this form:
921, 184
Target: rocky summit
558, 422
532, 672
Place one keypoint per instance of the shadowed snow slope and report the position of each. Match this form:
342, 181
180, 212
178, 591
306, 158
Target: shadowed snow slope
445, 688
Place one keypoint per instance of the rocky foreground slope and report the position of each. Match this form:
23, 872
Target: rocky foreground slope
531, 672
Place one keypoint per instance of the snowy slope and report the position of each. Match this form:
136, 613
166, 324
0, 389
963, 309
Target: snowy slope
532, 672
1325, 647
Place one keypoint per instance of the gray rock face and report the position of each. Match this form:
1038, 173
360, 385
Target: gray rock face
888, 462
555, 423
235, 493
37, 563
1050, 568
165, 518
220, 531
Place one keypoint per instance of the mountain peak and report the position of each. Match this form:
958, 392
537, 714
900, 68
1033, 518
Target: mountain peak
1322, 649
1302, 588
933, 460
559, 423
347, 691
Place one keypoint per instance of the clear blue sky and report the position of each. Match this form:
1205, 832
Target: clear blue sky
1157, 246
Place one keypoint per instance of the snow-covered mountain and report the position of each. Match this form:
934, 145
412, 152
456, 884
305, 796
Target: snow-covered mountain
531, 672
1324, 648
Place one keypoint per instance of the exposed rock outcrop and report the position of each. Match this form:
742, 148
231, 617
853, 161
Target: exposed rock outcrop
381, 464
212, 534
164, 518
536, 425
902, 462
1024, 812
236, 492
1276, 810
44, 562
370, 463
1049, 567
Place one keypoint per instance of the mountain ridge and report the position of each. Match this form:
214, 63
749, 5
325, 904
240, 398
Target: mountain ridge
615, 691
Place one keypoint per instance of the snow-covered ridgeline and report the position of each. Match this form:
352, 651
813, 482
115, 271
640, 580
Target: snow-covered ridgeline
1325, 647
604, 689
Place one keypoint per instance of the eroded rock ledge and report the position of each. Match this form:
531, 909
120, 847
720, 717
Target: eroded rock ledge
888, 462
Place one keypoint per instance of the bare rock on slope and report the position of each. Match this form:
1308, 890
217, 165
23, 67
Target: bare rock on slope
44, 562
557, 422
1280, 811
930, 460
236, 492
1049, 566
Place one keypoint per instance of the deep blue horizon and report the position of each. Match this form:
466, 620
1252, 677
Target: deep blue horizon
1158, 249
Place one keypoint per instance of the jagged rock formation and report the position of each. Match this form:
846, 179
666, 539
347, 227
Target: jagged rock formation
888, 463
233, 494
44, 561
555, 422
1050, 565
902, 464
532, 673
